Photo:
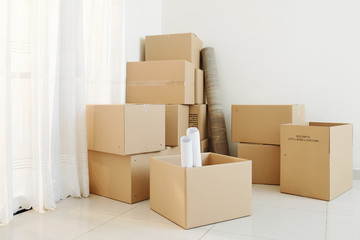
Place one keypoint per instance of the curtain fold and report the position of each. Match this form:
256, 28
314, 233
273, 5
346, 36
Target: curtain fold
55, 56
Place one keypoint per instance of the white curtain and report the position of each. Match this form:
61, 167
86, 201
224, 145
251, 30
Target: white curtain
55, 56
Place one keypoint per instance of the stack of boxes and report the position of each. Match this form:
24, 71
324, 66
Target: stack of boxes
171, 75
256, 128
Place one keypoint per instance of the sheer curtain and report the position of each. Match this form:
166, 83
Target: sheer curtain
55, 56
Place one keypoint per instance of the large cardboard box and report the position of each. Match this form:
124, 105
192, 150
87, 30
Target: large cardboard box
316, 159
176, 123
125, 128
265, 161
192, 197
261, 123
204, 145
183, 46
160, 82
199, 86
124, 178
198, 119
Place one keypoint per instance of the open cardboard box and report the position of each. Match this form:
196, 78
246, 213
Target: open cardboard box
190, 197
316, 159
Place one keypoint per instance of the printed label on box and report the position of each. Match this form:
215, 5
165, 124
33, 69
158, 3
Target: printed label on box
194, 120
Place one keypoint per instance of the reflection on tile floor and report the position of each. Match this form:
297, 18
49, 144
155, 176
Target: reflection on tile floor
275, 216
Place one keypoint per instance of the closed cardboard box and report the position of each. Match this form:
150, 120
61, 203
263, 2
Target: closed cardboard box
265, 161
125, 128
261, 123
190, 197
199, 86
198, 119
316, 159
123, 178
183, 46
204, 145
160, 82
176, 123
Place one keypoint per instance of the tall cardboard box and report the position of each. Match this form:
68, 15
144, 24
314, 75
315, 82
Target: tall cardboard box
316, 159
120, 177
198, 119
125, 128
190, 197
265, 161
183, 46
160, 82
261, 123
199, 86
176, 123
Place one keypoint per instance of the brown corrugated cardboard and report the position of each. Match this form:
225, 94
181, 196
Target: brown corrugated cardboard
261, 123
316, 159
265, 161
125, 128
176, 123
160, 82
124, 178
198, 119
199, 86
183, 46
192, 197
204, 145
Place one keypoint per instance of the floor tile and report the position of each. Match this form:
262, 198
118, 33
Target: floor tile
57, 224
343, 227
97, 204
214, 235
269, 195
144, 213
126, 228
278, 223
347, 203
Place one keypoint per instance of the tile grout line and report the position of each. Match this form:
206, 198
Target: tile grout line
102, 224
207, 231
326, 220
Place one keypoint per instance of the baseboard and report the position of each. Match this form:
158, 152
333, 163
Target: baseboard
357, 174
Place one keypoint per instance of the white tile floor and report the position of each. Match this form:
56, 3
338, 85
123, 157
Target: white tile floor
275, 216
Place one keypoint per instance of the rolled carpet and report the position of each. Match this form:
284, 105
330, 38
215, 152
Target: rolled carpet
219, 143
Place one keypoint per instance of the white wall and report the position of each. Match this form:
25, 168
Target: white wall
281, 52
143, 17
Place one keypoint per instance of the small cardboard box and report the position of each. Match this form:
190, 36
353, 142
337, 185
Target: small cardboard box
176, 123
190, 197
125, 128
160, 82
198, 119
204, 145
183, 46
261, 123
265, 161
124, 178
199, 86
316, 159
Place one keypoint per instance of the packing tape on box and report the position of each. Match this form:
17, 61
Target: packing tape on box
187, 159
194, 134
152, 83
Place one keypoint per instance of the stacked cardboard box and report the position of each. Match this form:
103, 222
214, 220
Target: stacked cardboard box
171, 75
256, 128
121, 140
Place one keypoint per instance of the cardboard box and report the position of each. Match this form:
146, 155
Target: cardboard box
204, 145
199, 86
176, 123
316, 159
183, 46
265, 161
198, 119
261, 123
123, 178
160, 82
192, 197
125, 128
